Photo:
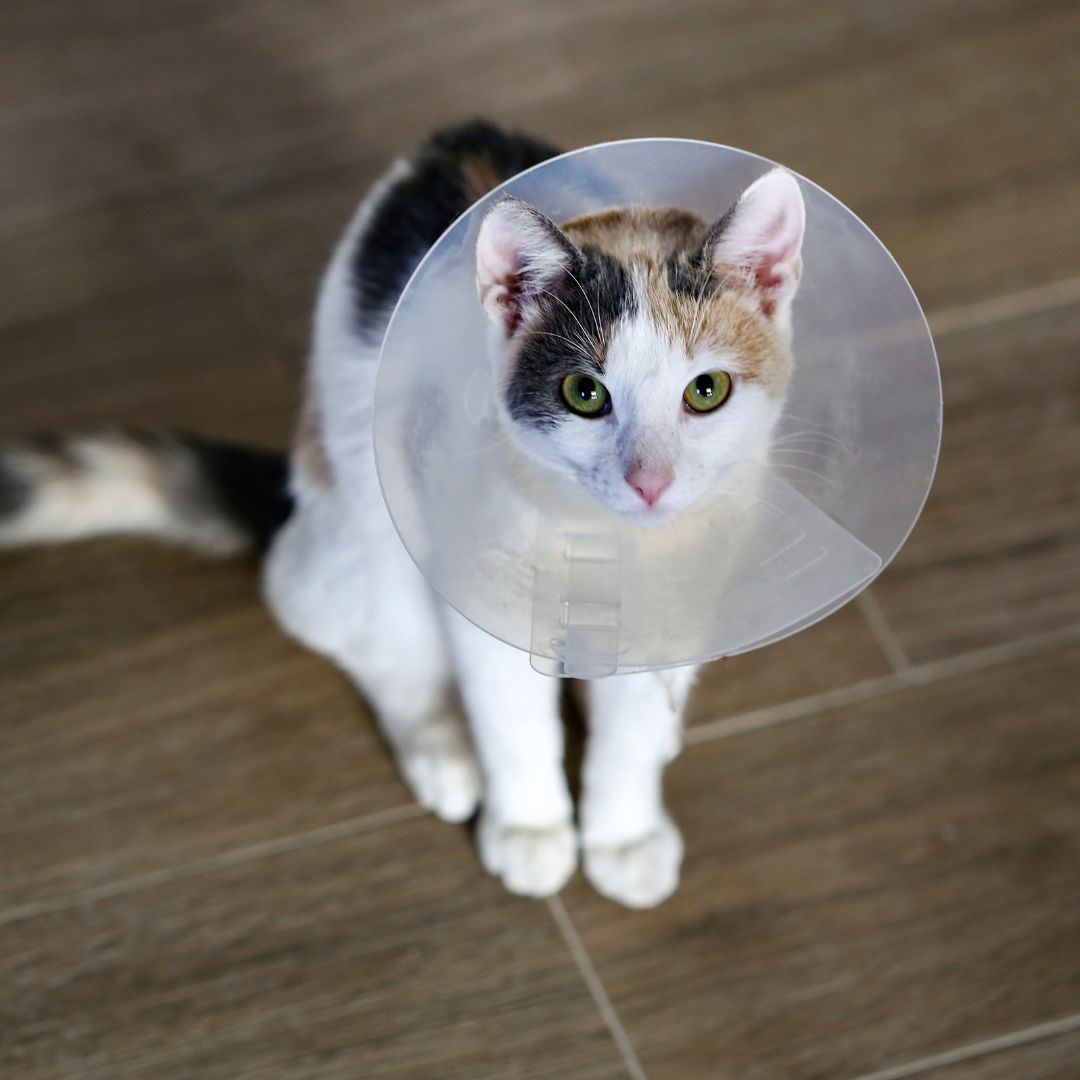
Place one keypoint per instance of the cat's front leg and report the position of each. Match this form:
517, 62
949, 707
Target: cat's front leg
525, 833
632, 849
347, 589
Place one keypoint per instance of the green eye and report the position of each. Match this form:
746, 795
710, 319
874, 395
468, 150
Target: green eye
707, 392
586, 396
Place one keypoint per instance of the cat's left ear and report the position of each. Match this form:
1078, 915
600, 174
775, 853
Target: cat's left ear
520, 256
756, 246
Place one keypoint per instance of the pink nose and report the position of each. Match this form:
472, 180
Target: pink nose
650, 483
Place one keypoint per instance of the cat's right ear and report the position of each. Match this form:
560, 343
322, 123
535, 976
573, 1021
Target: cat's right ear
756, 247
520, 256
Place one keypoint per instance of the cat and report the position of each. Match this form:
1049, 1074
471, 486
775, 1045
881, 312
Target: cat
642, 350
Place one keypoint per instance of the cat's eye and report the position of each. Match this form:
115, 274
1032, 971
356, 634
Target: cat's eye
707, 392
586, 396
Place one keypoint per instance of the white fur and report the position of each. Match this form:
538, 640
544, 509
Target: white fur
645, 373
340, 581
632, 848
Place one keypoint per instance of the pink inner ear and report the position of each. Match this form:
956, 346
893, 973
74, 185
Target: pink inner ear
775, 251
767, 254
767, 281
774, 239
497, 256
780, 239
497, 272
760, 246
520, 254
510, 301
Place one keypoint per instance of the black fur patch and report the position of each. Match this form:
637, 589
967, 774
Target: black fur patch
418, 209
15, 490
690, 273
572, 314
249, 487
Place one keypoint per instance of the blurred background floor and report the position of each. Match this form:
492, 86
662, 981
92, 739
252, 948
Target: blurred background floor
209, 867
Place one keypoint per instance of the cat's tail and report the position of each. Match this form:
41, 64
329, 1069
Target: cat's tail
215, 497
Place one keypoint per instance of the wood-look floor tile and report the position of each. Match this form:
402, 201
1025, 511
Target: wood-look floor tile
996, 554
81, 605
79, 89
283, 233
137, 250
388, 954
859, 99
873, 886
197, 368
131, 315
154, 715
1055, 1058
836, 652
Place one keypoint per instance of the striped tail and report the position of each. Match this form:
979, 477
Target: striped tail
210, 496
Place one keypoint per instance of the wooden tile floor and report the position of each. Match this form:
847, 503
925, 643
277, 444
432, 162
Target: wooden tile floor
208, 867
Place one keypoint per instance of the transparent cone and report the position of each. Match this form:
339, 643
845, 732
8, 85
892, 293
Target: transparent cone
789, 536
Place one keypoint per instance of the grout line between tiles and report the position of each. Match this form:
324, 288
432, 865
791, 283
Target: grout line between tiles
339, 830
1006, 306
978, 1049
882, 630
917, 675
797, 709
596, 987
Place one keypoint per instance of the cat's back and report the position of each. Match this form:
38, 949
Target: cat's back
419, 199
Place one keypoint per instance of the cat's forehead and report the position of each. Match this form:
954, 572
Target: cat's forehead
655, 249
639, 234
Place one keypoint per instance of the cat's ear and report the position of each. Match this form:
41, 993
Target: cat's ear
757, 245
520, 255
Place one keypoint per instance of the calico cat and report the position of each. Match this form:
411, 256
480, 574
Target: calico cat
642, 351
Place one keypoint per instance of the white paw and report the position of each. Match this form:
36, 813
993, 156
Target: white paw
640, 874
439, 766
532, 862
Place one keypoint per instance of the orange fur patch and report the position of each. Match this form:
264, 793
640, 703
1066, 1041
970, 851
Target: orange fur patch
637, 234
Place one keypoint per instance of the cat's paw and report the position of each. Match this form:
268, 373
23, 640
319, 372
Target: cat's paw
440, 768
531, 862
639, 874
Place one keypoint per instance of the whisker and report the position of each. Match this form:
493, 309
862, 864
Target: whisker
576, 345
577, 350
712, 285
805, 453
834, 466
808, 436
594, 312
559, 300
777, 466
826, 436
811, 424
